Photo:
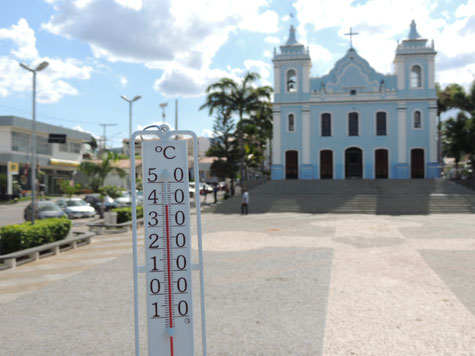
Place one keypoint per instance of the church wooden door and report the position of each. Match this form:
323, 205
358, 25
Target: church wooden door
417, 163
326, 164
353, 163
381, 164
291, 165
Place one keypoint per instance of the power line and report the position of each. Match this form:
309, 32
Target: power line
55, 118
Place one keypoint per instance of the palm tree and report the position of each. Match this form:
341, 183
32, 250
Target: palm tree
240, 98
98, 172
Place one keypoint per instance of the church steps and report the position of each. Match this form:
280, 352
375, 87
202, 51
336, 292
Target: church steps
390, 197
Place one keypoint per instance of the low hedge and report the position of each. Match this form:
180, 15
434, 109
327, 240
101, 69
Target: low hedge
19, 237
125, 214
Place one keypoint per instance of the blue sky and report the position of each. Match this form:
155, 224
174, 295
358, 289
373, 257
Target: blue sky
165, 50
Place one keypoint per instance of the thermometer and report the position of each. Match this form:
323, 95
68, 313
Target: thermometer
167, 248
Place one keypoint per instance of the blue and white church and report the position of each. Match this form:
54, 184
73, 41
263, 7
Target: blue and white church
355, 122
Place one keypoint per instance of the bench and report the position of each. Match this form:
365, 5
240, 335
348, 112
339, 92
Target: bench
100, 227
73, 240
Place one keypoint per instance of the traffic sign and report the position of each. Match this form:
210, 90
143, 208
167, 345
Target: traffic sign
167, 240
13, 168
56, 138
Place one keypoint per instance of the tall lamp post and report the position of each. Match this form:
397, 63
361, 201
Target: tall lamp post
163, 106
130, 111
39, 68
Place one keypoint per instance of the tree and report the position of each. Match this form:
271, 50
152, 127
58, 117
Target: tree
223, 144
455, 96
98, 171
241, 99
257, 132
68, 188
455, 138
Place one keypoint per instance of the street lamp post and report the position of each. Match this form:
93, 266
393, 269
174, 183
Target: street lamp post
130, 111
163, 106
39, 68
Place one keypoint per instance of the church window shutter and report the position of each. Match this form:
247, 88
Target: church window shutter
326, 125
417, 120
353, 124
291, 123
381, 124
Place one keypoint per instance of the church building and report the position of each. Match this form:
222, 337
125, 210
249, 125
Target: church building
355, 122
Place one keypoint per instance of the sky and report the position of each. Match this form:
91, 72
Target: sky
167, 50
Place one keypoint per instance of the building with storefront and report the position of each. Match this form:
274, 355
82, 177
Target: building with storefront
55, 161
355, 122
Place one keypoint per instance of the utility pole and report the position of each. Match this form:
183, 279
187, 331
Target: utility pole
104, 127
163, 106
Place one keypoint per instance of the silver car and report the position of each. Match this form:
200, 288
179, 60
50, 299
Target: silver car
76, 208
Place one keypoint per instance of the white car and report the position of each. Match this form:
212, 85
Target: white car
125, 199
76, 208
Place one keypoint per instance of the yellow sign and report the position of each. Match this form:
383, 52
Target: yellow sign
13, 168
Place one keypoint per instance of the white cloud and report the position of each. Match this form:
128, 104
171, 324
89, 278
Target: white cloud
51, 84
273, 40
122, 80
207, 133
285, 18
381, 23
267, 54
180, 37
23, 37
263, 68
132, 4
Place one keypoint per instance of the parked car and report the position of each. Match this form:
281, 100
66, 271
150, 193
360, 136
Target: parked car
76, 208
125, 199
191, 186
45, 209
206, 188
95, 201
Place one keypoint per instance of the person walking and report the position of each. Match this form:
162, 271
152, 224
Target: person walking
215, 192
245, 202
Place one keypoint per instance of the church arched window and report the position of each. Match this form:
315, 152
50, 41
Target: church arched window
353, 126
291, 123
291, 81
417, 120
381, 129
416, 77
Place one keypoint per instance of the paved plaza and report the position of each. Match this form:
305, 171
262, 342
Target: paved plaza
276, 284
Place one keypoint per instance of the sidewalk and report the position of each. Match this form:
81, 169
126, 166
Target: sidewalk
276, 284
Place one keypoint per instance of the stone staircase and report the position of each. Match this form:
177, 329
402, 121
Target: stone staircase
390, 197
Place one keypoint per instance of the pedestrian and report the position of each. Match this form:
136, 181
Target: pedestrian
226, 192
215, 192
205, 191
245, 202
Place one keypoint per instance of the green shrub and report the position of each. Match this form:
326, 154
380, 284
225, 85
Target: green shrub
125, 214
19, 237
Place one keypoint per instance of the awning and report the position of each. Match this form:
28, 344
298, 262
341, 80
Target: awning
63, 162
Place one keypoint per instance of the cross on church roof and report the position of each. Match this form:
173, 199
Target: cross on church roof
351, 34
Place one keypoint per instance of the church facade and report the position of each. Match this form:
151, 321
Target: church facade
355, 122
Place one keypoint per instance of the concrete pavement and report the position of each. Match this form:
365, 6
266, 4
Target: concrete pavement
276, 284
